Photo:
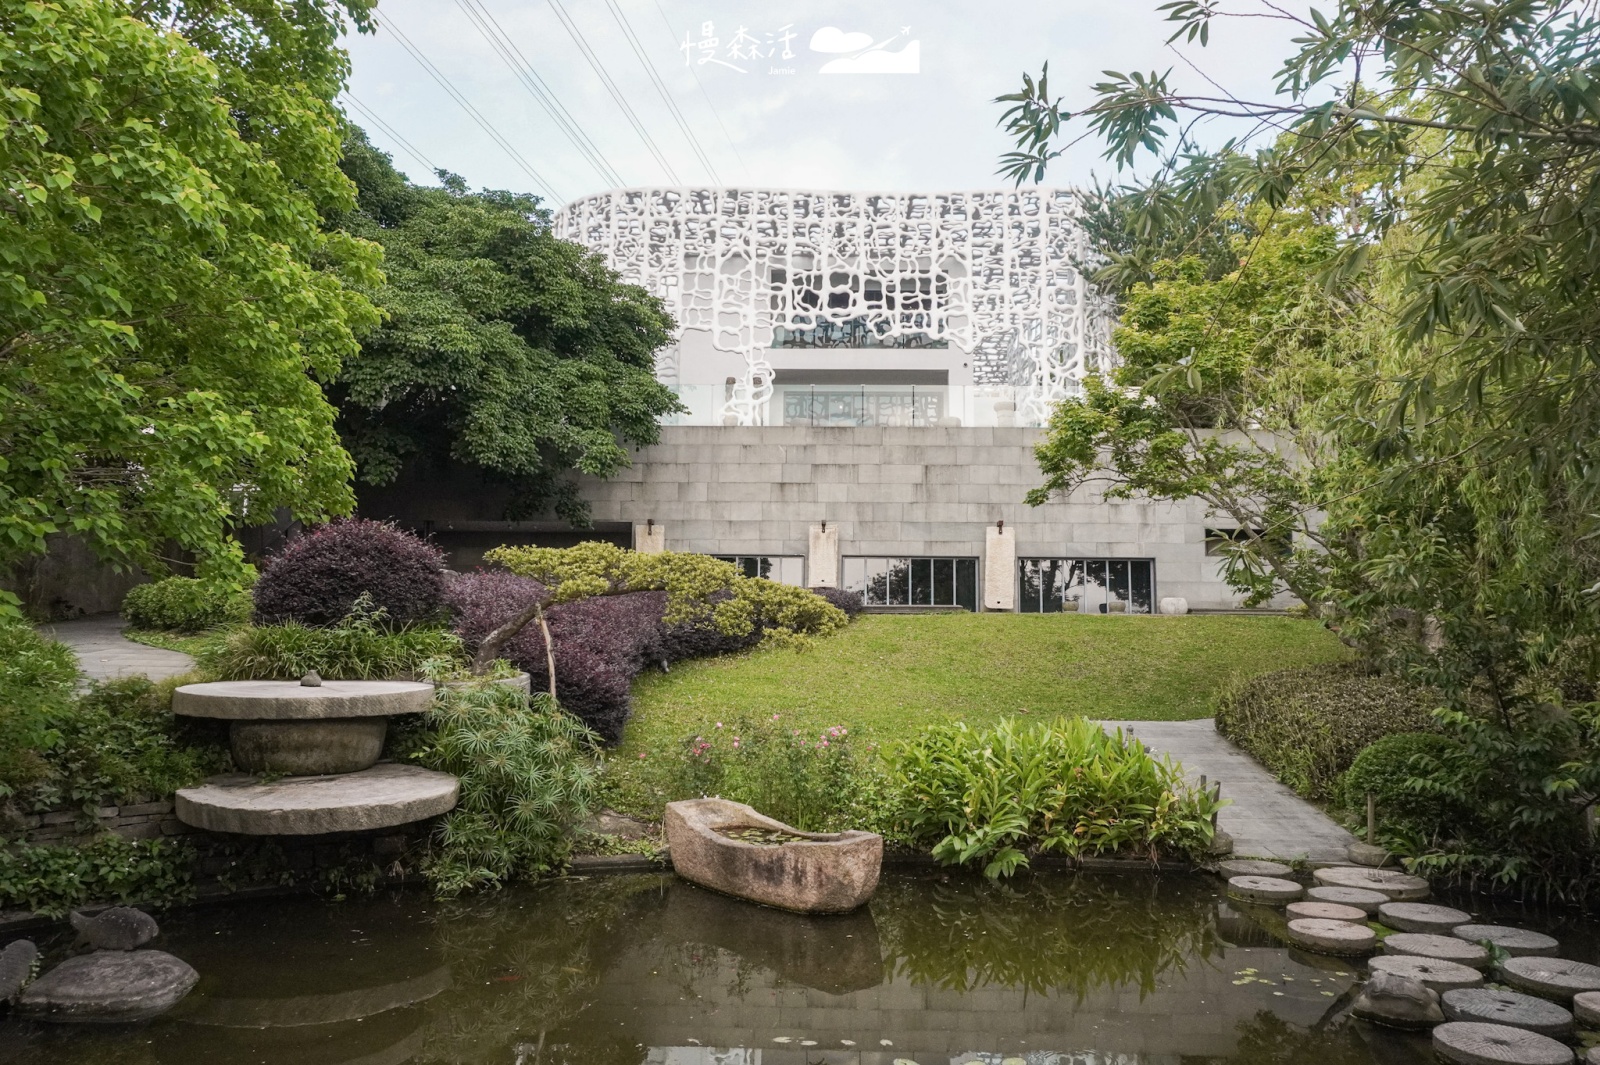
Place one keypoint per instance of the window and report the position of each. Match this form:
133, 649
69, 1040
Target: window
1218, 540
914, 581
780, 569
1086, 585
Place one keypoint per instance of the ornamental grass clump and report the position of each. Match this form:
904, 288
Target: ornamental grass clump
1002, 795
529, 774
362, 646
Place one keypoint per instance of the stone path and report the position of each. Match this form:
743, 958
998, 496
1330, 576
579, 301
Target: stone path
1266, 819
103, 653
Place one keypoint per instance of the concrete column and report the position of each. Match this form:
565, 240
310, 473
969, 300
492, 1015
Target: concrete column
650, 539
822, 556
999, 569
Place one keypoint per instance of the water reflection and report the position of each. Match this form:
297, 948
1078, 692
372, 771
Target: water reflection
1053, 969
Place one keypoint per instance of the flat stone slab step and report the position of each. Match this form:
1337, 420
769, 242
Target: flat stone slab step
1252, 867
1474, 1043
1554, 978
381, 797
1507, 1007
1421, 917
1517, 942
1391, 883
1325, 911
1441, 948
1441, 976
1361, 898
1332, 937
1267, 889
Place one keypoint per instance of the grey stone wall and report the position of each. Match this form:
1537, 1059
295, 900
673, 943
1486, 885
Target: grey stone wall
911, 491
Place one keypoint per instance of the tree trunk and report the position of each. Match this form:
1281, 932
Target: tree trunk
490, 648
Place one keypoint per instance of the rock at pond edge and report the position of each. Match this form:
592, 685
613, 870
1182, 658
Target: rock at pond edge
108, 987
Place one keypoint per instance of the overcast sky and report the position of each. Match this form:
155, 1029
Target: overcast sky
759, 117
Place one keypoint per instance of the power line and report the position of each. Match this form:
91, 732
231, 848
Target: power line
661, 90
389, 131
539, 89
466, 105
701, 86
611, 87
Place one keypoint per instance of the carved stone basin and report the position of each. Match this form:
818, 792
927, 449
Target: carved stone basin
806, 872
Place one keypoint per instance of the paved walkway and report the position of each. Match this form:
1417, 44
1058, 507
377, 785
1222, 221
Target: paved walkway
1266, 820
103, 653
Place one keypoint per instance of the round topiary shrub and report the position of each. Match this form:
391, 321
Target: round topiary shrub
317, 578
1384, 768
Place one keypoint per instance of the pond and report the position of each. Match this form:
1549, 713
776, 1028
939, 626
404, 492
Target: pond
1053, 969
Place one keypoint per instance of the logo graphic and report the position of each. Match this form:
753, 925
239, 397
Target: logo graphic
858, 54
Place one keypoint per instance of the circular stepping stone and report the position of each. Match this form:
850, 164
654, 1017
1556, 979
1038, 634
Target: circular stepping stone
1555, 978
1421, 917
1517, 942
1325, 911
1362, 899
1332, 937
1586, 1006
1473, 1043
1391, 883
1252, 867
1267, 889
1441, 976
1593, 1057
1439, 948
1507, 1007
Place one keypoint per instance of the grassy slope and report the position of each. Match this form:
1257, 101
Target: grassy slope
888, 674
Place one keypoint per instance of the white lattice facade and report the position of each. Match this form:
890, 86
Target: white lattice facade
982, 287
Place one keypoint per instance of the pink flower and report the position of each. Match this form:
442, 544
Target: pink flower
641, 756
719, 724
774, 717
735, 743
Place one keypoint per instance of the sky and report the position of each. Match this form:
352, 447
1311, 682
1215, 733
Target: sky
891, 96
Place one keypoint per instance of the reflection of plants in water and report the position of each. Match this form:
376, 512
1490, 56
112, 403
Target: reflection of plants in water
519, 972
1267, 1039
1055, 933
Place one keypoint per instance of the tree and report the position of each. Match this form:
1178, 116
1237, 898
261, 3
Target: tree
168, 297
502, 347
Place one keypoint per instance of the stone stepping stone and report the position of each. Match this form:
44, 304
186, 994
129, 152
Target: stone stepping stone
1555, 978
1439, 948
1507, 1007
1332, 937
1441, 976
1517, 942
108, 987
1593, 1057
1325, 911
1421, 917
1586, 1006
1252, 867
1268, 889
1474, 1043
1361, 898
1391, 883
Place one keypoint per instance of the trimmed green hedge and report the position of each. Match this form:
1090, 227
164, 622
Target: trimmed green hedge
184, 604
1308, 725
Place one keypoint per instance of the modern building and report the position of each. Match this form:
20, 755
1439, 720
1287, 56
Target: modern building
865, 377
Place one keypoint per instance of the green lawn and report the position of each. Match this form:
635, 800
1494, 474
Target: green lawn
887, 675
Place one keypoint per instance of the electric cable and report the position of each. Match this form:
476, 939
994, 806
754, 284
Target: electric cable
389, 131
539, 89
661, 89
477, 116
701, 86
611, 87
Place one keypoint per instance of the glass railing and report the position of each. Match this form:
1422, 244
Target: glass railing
863, 406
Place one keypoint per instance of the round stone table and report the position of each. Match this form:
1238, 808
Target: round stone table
299, 729
380, 797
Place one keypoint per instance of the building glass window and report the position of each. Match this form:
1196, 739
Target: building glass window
780, 569
1086, 585
913, 581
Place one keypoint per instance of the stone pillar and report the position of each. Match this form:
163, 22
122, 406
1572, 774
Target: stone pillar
822, 556
999, 568
650, 539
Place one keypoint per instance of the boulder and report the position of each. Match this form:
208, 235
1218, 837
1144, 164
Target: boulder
1507, 1007
1441, 976
1369, 854
1439, 948
1553, 978
1473, 1043
108, 987
1398, 1002
611, 823
1421, 917
117, 928
16, 966
1517, 942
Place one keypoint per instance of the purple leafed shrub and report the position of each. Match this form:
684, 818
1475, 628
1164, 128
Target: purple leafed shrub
316, 578
850, 602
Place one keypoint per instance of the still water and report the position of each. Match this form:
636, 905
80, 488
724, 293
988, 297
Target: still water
646, 970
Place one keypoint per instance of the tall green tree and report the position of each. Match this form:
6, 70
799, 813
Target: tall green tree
501, 347
168, 296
